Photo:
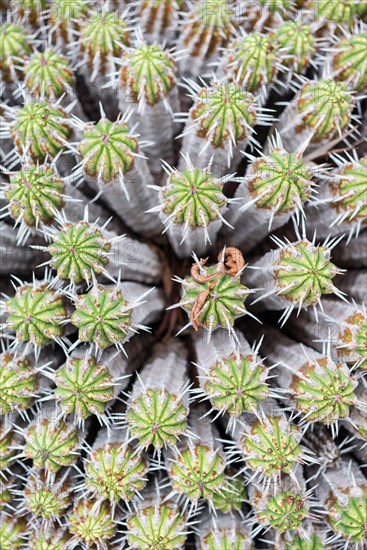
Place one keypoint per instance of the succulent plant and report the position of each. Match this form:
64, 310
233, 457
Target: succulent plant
158, 19
297, 44
18, 383
50, 538
232, 496
47, 498
65, 19
347, 61
30, 10
342, 12
12, 532
283, 512
48, 75
15, 45
224, 532
91, 523
352, 339
348, 190
9, 439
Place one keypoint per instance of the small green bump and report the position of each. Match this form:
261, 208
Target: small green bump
18, 383
12, 532
280, 181
36, 314
83, 387
91, 523
232, 495
107, 149
157, 418
198, 472
349, 518
324, 390
157, 527
41, 129
236, 384
253, 61
342, 11
300, 543
8, 439
51, 444
14, 46
48, 74
115, 472
193, 196
47, 498
348, 61
103, 36
272, 446
34, 194
325, 107
298, 44
226, 538
148, 72
78, 251
304, 273
350, 191
66, 16
284, 512
49, 538
352, 339
102, 316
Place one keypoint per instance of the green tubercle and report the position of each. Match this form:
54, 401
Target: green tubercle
157, 527
103, 35
300, 543
78, 251
12, 532
323, 391
298, 44
41, 129
230, 538
48, 74
107, 149
193, 196
350, 191
284, 512
236, 384
65, 16
18, 383
309, 271
47, 498
14, 46
342, 11
280, 182
51, 444
252, 61
34, 194
91, 523
148, 71
325, 106
102, 316
198, 472
49, 538
272, 446
232, 495
115, 472
349, 518
8, 439
83, 387
36, 314
348, 61
352, 339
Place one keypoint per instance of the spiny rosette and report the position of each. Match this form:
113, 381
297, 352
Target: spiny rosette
226, 538
41, 129
107, 150
79, 251
284, 511
300, 543
349, 518
272, 446
46, 497
13, 532
84, 386
224, 112
8, 440
36, 314
280, 181
14, 46
49, 538
297, 45
352, 339
193, 197
349, 190
51, 444
30, 10
348, 61
115, 472
48, 74
148, 73
304, 272
214, 296
34, 194
18, 382
236, 384
232, 495
103, 317
341, 12
157, 418
252, 61
91, 523
66, 18
325, 107
323, 390
158, 526
198, 471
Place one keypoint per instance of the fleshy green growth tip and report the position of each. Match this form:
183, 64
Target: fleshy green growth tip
41, 129
14, 46
47, 498
18, 383
340, 12
300, 543
157, 418
91, 523
12, 532
350, 192
78, 251
232, 495
349, 518
49, 538
83, 387
115, 472
102, 316
48, 74
352, 339
34, 194
36, 314
226, 538
103, 36
284, 512
348, 61
297, 43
